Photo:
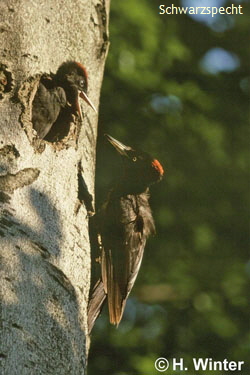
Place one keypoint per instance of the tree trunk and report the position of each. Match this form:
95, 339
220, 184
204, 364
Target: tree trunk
45, 252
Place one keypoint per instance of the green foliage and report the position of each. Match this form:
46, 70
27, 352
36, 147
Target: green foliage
190, 297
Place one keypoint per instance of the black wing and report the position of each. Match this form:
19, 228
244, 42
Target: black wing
46, 107
123, 241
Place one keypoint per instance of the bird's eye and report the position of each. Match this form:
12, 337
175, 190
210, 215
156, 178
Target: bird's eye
134, 158
82, 83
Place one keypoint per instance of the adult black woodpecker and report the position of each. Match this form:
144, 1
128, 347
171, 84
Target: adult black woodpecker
58, 91
124, 224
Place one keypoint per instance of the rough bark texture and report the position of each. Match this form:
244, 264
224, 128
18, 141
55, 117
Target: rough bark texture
45, 253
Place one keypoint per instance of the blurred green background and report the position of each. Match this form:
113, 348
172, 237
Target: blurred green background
178, 87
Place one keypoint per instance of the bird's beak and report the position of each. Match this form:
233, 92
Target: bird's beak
85, 97
120, 147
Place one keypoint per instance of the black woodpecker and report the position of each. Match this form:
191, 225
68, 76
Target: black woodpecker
124, 223
56, 92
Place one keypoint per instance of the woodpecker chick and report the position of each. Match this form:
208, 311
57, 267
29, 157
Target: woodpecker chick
125, 222
54, 93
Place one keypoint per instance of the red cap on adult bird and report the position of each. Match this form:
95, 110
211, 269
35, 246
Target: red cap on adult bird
68, 84
124, 224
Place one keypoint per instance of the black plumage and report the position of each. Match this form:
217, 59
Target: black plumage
124, 224
56, 92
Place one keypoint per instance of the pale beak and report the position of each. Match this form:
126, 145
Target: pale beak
120, 147
85, 97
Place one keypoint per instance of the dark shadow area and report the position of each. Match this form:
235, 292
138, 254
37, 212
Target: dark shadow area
84, 195
50, 224
38, 290
61, 127
94, 226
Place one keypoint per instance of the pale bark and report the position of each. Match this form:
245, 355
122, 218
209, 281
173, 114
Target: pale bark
45, 252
